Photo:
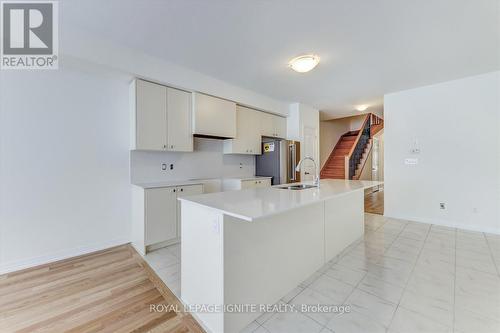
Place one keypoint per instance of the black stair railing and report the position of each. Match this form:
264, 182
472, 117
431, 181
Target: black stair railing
359, 148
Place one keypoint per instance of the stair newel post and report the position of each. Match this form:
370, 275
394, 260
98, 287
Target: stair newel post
346, 166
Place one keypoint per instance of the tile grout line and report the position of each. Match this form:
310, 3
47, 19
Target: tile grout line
411, 273
340, 255
357, 284
356, 287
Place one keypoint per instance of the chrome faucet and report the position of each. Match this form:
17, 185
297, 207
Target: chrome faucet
316, 176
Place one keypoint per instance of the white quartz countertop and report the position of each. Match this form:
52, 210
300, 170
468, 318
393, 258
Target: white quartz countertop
246, 178
168, 183
252, 204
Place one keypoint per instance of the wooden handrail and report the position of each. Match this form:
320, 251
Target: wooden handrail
358, 136
376, 120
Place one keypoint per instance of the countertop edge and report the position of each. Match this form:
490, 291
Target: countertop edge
251, 219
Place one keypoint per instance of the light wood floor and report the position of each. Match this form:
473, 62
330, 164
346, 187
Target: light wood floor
374, 203
106, 291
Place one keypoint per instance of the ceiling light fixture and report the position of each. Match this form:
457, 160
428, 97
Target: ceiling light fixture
304, 63
361, 108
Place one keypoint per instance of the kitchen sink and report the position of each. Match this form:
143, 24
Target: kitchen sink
296, 187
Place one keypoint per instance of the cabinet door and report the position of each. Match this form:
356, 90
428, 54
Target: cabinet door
213, 116
267, 124
248, 184
264, 182
179, 124
280, 126
150, 116
185, 191
248, 137
255, 137
161, 215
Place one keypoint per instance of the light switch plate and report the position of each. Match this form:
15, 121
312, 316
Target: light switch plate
411, 161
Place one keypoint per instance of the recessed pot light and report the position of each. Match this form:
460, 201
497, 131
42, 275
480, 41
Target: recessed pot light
361, 108
304, 63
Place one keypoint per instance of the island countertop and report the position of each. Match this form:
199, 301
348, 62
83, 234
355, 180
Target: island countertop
252, 204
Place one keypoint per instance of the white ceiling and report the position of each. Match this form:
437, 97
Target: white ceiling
367, 47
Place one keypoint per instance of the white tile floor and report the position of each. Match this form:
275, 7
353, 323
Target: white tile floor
166, 262
403, 277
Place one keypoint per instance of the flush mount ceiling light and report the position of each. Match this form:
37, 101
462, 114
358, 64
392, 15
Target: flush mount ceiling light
304, 63
361, 108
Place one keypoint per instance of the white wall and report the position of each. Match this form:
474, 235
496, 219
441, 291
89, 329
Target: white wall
65, 155
330, 133
207, 161
304, 119
457, 127
381, 154
75, 43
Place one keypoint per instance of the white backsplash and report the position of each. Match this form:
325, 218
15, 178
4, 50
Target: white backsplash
207, 161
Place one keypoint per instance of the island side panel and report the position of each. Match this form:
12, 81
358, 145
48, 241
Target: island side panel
202, 279
344, 222
267, 258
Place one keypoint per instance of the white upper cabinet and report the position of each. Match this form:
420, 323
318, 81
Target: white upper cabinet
161, 118
248, 138
213, 116
273, 126
149, 102
179, 123
280, 126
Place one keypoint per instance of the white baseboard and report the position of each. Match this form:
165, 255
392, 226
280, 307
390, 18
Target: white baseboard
444, 223
13, 266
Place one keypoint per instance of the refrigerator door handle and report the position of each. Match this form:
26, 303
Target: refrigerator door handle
293, 161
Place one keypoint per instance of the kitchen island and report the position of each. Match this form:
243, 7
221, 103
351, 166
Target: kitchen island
251, 247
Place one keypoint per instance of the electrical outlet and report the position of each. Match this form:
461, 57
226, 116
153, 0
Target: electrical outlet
442, 205
171, 167
164, 166
241, 165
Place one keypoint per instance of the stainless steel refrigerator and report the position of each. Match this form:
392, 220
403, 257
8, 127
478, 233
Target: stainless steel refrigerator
278, 160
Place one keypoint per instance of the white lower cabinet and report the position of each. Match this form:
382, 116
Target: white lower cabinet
160, 215
156, 215
234, 184
257, 183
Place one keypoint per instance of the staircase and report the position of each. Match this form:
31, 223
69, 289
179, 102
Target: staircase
348, 158
364, 157
334, 167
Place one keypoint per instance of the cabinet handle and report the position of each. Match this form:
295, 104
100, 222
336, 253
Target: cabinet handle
182, 189
174, 189
172, 146
164, 146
